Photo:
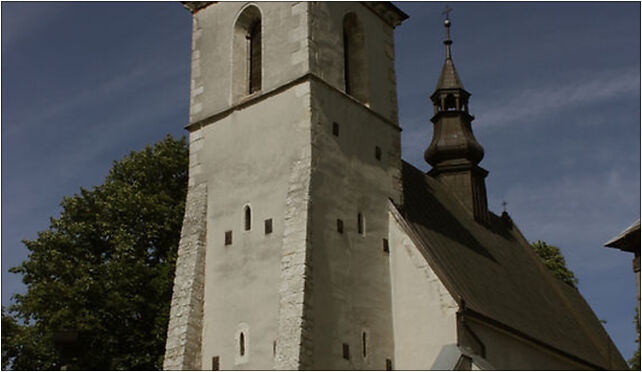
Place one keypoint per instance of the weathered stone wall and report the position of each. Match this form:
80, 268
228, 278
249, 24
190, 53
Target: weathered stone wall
294, 345
183, 346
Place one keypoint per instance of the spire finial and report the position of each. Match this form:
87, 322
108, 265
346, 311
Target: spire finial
447, 11
447, 42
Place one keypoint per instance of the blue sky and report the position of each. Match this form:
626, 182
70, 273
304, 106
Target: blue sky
555, 92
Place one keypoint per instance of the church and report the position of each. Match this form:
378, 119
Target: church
308, 243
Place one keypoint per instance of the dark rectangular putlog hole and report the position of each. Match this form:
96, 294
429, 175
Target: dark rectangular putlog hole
339, 226
386, 248
346, 351
377, 153
268, 226
228, 237
335, 129
215, 366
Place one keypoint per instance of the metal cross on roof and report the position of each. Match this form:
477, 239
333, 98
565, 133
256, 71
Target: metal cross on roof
504, 204
447, 11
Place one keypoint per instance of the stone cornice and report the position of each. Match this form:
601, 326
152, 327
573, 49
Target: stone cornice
389, 13
258, 97
195, 6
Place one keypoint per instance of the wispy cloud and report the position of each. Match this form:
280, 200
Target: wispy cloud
22, 24
533, 102
577, 212
120, 83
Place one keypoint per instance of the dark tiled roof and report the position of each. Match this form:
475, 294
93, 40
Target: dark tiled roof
498, 275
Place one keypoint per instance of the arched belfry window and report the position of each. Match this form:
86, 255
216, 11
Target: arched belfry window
248, 217
247, 53
254, 56
355, 59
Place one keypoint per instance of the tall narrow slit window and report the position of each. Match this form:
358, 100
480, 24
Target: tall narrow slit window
242, 344
247, 54
361, 224
335, 129
364, 345
355, 66
248, 218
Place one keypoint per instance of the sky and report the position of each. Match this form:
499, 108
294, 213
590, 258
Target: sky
555, 93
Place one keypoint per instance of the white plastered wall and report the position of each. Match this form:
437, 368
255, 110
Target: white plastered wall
423, 311
505, 351
350, 271
247, 159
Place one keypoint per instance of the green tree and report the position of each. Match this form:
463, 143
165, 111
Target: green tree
634, 362
552, 257
105, 268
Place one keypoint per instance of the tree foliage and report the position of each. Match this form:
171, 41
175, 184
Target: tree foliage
552, 257
104, 268
634, 362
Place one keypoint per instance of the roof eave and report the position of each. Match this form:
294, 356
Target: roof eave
628, 240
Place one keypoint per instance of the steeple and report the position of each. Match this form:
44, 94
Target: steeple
454, 152
448, 78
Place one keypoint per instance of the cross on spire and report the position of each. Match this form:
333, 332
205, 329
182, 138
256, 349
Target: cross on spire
504, 204
447, 11
447, 42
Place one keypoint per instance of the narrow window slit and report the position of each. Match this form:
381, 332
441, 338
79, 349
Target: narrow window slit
386, 247
340, 226
242, 344
248, 218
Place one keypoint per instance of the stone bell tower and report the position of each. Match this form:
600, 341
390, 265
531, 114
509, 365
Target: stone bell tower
454, 152
294, 154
